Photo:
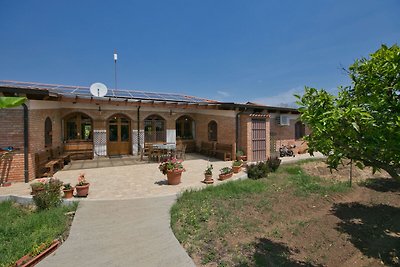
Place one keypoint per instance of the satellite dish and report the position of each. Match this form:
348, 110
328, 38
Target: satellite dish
98, 89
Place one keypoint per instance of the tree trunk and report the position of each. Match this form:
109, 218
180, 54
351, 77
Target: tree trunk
392, 172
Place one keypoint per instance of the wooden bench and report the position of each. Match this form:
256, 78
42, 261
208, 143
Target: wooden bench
207, 148
224, 151
45, 165
190, 145
58, 153
79, 150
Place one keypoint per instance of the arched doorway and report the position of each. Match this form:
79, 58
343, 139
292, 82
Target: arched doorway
119, 141
185, 128
154, 129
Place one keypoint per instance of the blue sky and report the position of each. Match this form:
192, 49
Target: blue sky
261, 51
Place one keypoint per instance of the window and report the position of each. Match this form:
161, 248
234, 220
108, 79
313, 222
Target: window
184, 128
212, 131
48, 132
154, 129
78, 126
299, 130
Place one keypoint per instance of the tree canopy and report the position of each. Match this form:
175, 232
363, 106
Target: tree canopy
10, 102
362, 123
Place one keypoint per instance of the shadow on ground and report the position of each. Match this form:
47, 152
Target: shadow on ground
270, 253
374, 230
382, 184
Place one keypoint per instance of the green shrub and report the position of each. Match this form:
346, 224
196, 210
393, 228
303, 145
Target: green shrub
258, 170
50, 196
274, 164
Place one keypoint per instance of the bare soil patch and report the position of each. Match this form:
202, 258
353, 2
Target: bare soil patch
319, 168
281, 227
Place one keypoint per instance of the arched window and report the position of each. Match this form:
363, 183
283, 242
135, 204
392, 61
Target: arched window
299, 130
154, 129
78, 126
212, 131
48, 132
184, 128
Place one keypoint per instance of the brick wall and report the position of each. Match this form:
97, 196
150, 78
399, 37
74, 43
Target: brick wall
12, 134
285, 135
225, 128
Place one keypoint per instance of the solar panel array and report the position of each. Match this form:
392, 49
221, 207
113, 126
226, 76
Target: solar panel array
66, 90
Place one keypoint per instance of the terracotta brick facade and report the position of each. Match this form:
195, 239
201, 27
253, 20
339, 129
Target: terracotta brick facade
12, 128
286, 134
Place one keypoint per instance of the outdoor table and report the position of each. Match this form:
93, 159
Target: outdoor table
166, 150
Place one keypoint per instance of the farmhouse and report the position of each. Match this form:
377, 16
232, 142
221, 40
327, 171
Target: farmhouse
57, 120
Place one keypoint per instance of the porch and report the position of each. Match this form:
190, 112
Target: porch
127, 177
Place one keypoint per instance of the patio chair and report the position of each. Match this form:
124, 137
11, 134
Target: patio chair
155, 154
180, 153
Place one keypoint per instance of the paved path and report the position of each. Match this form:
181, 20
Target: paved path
132, 232
122, 222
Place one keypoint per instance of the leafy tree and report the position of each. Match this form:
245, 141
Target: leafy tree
363, 122
9, 102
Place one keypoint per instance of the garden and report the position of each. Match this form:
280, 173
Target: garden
30, 232
300, 215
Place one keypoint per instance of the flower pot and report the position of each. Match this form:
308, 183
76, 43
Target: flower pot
82, 190
237, 169
68, 193
174, 177
225, 176
208, 179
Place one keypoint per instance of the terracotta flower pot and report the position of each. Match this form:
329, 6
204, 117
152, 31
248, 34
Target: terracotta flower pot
82, 190
225, 176
208, 179
68, 193
174, 177
237, 169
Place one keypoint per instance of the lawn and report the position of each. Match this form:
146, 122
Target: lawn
291, 218
23, 230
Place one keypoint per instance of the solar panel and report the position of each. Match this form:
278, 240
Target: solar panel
84, 91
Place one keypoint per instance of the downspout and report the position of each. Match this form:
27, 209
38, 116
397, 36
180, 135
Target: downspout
238, 128
138, 129
26, 143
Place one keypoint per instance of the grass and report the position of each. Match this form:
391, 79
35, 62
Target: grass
206, 221
22, 230
306, 184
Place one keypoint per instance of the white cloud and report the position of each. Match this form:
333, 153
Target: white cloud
283, 99
223, 93
287, 98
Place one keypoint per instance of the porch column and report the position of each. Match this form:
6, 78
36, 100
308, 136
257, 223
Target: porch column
100, 142
136, 141
171, 136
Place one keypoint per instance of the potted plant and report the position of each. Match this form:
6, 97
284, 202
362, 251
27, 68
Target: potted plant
240, 155
237, 166
173, 168
225, 173
68, 190
38, 185
208, 175
82, 187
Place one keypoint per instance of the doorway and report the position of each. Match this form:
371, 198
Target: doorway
259, 131
119, 141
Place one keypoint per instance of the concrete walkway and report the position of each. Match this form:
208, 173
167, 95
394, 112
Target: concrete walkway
132, 232
125, 220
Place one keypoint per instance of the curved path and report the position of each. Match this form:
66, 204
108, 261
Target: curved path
133, 232
122, 222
